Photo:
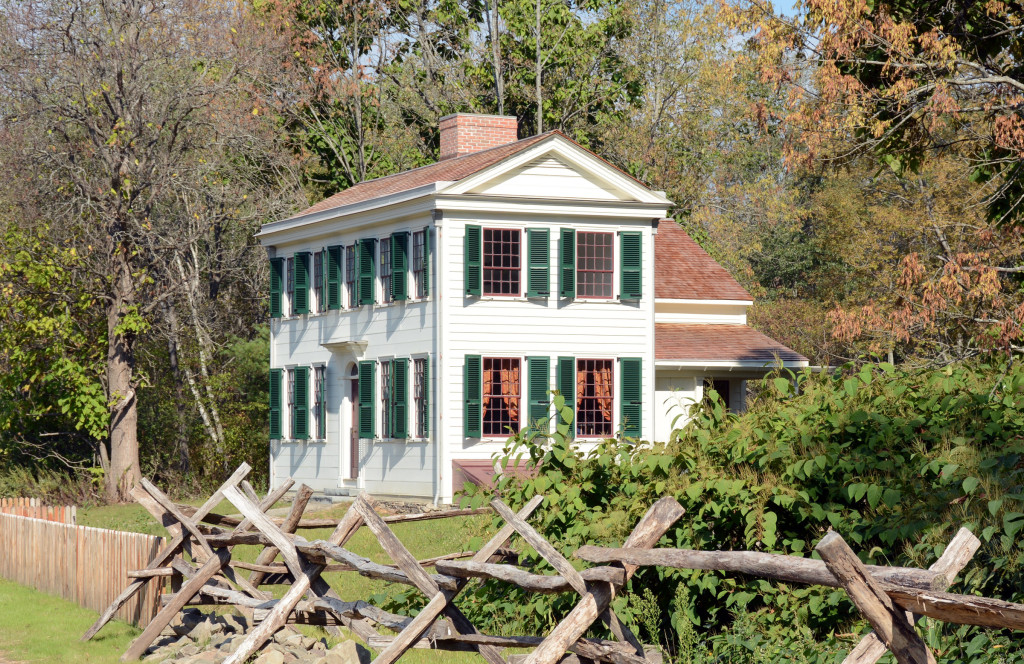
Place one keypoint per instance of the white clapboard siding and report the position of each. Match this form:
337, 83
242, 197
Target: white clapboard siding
549, 177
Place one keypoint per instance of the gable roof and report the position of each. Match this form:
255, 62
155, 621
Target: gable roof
707, 342
684, 271
453, 169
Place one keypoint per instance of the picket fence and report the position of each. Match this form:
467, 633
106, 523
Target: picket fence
85, 565
32, 507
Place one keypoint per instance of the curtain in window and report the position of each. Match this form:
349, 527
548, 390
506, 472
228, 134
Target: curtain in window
603, 389
510, 389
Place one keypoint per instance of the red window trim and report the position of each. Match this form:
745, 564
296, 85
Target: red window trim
483, 268
611, 293
576, 410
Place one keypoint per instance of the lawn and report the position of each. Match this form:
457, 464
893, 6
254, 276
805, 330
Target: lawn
49, 631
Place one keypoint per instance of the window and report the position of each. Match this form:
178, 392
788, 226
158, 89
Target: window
318, 281
594, 264
501, 261
289, 275
594, 395
350, 275
385, 270
319, 403
720, 385
291, 402
419, 397
500, 395
419, 262
386, 388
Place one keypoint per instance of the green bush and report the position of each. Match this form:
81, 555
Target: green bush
895, 461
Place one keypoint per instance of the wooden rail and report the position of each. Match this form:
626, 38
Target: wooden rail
890, 598
88, 566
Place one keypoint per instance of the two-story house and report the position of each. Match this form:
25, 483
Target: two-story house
417, 319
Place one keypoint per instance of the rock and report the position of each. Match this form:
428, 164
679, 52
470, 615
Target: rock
202, 632
318, 647
190, 650
295, 641
345, 652
270, 657
235, 623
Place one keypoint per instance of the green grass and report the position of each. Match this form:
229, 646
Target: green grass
35, 627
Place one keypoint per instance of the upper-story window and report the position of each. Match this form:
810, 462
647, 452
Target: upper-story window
291, 401
419, 256
501, 395
318, 281
501, 261
385, 270
289, 275
350, 275
594, 397
595, 264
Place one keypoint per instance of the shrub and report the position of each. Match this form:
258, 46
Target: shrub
894, 460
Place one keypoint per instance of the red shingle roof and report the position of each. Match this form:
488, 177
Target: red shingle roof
442, 171
694, 341
684, 271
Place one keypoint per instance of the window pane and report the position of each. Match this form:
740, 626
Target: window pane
385, 399
419, 400
318, 281
417, 263
594, 396
350, 275
501, 261
501, 396
594, 264
385, 268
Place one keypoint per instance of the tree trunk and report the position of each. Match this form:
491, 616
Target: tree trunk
124, 414
499, 77
540, 67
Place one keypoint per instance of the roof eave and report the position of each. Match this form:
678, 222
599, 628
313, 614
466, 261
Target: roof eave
767, 365
292, 223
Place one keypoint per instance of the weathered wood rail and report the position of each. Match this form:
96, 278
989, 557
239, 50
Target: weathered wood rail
198, 561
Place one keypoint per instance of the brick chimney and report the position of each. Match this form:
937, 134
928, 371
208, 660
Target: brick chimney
465, 133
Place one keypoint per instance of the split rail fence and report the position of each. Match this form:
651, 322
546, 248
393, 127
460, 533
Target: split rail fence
84, 565
35, 508
198, 561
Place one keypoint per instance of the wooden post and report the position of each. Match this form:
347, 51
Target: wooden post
890, 622
164, 555
304, 573
268, 554
956, 556
655, 523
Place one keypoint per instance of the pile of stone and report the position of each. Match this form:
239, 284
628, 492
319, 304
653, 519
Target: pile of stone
197, 638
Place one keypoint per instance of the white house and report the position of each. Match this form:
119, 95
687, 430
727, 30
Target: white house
416, 319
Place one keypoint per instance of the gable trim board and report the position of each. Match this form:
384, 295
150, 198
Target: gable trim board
488, 189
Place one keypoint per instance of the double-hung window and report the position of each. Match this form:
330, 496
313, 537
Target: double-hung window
419, 262
594, 398
386, 388
289, 273
501, 396
595, 264
291, 402
419, 397
350, 275
501, 261
385, 270
319, 403
318, 281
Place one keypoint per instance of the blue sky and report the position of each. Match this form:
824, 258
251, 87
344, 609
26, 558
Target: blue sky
784, 6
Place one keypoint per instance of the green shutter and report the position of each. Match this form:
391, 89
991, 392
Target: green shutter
426, 396
538, 262
275, 403
333, 276
399, 266
366, 271
301, 276
399, 398
276, 286
539, 377
367, 398
473, 385
473, 259
631, 391
300, 424
630, 265
565, 381
567, 264
426, 261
